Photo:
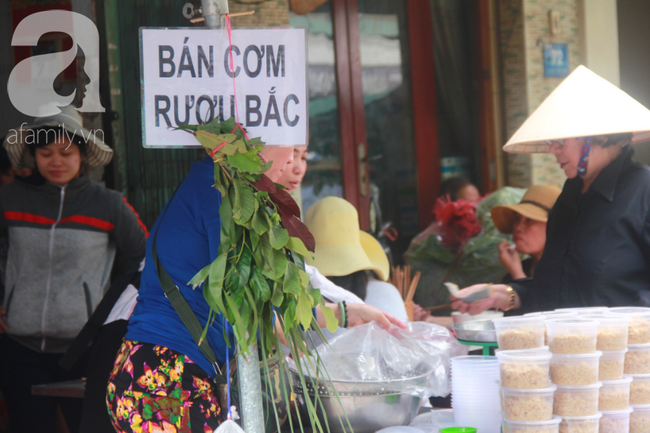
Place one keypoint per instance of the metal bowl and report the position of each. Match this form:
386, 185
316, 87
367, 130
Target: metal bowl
476, 330
368, 405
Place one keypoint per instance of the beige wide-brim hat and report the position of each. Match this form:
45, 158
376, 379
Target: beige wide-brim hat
583, 105
18, 140
341, 247
536, 203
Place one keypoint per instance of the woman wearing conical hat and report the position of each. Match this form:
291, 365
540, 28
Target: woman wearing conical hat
598, 233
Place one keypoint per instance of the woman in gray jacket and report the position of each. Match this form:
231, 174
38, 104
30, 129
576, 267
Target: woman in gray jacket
63, 233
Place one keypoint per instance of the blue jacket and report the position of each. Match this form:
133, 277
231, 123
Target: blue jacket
188, 240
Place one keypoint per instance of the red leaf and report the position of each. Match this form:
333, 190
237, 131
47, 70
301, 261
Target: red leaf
297, 229
265, 184
283, 200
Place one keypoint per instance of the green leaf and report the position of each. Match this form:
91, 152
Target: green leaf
260, 286
215, 286
237, 324
247, 163
211, 141
291, 282
198, 279
275, 260
279, 237
304, 311
255, 141
314, 295
243, 206
255, 239
240, 145
229, 124
227, 223
330, 318
278, 295
296, 245
244, 266
188, 127
213, 126
289, 312
260, 222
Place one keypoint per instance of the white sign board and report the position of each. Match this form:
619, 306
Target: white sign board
186, 78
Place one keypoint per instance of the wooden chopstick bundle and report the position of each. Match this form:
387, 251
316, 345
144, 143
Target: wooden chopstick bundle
406, 286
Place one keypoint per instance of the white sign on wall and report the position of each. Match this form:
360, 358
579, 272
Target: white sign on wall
186, 78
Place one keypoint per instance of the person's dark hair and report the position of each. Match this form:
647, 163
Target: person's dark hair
452, 187
49, 134
356, 283
613, 139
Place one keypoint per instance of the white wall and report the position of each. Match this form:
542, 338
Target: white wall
599, 38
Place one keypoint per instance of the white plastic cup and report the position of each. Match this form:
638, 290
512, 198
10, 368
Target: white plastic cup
528, 404
616, 421
548, 426
524, 369
519, 333
614, 394
612, 331
637, 359
581, 369
579, 400
640, 419
551, 315
580, 424
572, 336
611, 365
640, 389
639, 326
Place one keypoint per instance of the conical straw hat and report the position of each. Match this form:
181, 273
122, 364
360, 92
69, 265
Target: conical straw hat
583, 105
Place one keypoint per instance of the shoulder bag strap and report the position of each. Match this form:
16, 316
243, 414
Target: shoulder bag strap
173, 293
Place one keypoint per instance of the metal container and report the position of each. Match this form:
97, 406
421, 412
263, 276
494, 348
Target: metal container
481, 331
368, 405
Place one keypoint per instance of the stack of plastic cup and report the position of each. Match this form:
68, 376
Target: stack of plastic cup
574, 369
475, 392
639, 326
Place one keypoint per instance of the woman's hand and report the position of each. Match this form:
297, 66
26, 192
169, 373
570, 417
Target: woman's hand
510, 260
360, 314
3, 324
500, 298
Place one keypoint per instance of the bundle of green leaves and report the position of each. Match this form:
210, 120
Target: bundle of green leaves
259, 269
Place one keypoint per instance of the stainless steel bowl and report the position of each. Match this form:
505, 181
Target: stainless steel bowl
368, 405
476, 330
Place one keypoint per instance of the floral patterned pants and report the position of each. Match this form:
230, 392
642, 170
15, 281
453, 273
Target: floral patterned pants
155, 389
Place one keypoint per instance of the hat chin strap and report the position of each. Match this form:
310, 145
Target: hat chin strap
584, 156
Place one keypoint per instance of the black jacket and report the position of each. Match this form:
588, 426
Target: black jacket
597, 249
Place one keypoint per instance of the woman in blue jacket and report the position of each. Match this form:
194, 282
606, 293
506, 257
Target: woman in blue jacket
161, 380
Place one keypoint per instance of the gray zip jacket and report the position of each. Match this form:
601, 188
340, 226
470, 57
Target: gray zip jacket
62, 243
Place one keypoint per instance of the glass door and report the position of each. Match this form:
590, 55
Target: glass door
324, 176
386, 85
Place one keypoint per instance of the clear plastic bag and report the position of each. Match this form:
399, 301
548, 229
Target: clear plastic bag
412, 361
